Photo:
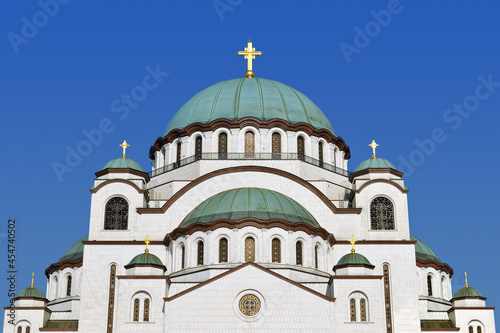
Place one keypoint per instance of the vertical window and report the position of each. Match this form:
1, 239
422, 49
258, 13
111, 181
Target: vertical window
200, 253
471, 329
178, 152
443, 287
54, 288
249, 144
300, 147
320, 153
68, 285
352, 304
197, 148
387, 296
136, 309
223, 250
249, 249
276, 145
116, 214
298, 253
479, 329
222, 146
111, 298
382, 214
429, 285
146, 309
362, 309
20, 329
276, 250
316, 256
183, 256
28, 329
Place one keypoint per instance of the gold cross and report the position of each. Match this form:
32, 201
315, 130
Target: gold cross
352, 241
373, 145
249, 54
147, 241
124, 145
32, 279
466, 284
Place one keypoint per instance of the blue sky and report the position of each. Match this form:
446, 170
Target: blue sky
421, 78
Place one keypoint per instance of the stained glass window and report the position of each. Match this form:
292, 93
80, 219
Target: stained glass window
200, 253
136, 309
146, 309
222, 146
471, 329
198, 143
249, 144
276, 250
387, 295
353, 309
249, 249
28, 329
429, 285
68, 286
223, 250
111, 298
382, 214
116, 214
298, 253
300, 147
362, 309
19, 329
479, 329
276, 145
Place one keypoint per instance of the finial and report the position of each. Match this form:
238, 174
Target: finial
352, 241
466, 284
32, 280
249, 54
124, 145
147, 241
374, 145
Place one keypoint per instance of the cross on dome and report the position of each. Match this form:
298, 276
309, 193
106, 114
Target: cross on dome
352, 241
147, 240
124, 145
374, 145
32, 279
466, 284
249, 54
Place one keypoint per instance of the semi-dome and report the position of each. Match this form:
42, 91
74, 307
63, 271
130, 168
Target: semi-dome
249, 97
122, 163
353, 259
145, 259
375, 163
75, 251
249, 202
468, 292
31, 292
423, 251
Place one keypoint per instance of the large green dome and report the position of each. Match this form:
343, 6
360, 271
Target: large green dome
423, 251
247, 202
249, 97
75, 252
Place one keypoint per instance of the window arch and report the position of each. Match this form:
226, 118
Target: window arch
249, 144
69, 282
316, 261
223, 250
358, 307
429, 285
276, 250
382, 214
222, 145
200, 253
475, 324
141, 303
249, 249
276, 145
301, 147
116, 214
320, 153
198, 147
298, 253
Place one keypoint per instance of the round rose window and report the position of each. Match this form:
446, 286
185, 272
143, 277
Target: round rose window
249, 305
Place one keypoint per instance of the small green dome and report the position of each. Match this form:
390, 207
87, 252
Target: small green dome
247, 202
75, 252
249, 97
31, 293
353, 259
145, 259
424, 252
375, 163
122, 163
467, 292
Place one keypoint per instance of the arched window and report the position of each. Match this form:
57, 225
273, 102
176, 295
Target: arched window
136, 309
54, 288
249, 144
178, 154
276, 145
183, 256
352, 305
116, 214
429, 285
69, 281
111, 298
276, 250
362, 309
316, 261
20, 329
223, 250
382, 214
471, 329
197, 148
479, 329
222, 145
443, 288
320, 153
298, 253
300, 148
28, 329
146, 309
200, 253
249, 249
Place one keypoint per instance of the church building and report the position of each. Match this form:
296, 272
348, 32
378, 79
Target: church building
249, 221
